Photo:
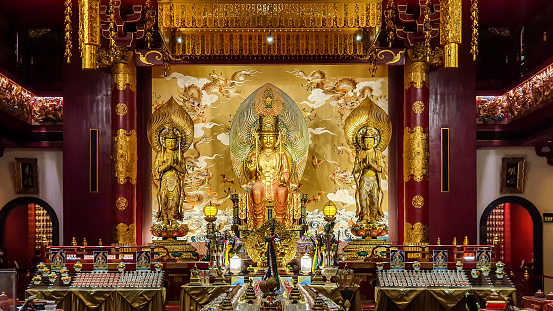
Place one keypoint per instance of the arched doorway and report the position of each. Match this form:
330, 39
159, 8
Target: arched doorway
518, 225
24, 223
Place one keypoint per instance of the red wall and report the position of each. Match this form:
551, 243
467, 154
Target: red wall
522, 236
16, 236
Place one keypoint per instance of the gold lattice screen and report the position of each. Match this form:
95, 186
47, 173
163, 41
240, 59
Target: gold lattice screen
207, 28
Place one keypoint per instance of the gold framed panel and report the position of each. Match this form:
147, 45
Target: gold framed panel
512, 175
26, 176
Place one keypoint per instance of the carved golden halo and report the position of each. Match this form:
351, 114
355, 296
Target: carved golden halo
368, 116
170, 115
256, 245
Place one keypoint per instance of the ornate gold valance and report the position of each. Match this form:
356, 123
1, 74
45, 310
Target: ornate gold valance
200, 28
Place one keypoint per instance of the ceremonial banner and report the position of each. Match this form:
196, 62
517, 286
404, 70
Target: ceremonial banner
483, 258
58, 260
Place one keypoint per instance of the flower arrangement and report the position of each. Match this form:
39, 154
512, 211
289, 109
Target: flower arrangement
45, 271
416, 265
52, 276
475, 273
485, 271
37, 279
64, 271
500, 266
459, 265
66, 280
121, 266
379, 266
158, 266
78, 266
41, 265
500, 274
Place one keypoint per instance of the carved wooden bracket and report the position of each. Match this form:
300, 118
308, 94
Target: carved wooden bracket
546, 151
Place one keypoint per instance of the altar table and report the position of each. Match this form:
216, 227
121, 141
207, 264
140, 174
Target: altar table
75, 299
434, 299
194, 298
537, 303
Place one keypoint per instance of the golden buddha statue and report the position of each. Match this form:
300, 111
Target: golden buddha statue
268, 148
367, 172
169, 171
170, 133
368, 131
269, 173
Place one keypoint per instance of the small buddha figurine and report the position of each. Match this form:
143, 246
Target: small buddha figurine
268, 169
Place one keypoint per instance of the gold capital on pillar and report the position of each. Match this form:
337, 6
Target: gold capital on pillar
124, 72
416, 74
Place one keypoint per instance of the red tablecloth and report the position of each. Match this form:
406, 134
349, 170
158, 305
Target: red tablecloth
537, 303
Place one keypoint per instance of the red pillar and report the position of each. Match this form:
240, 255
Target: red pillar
415, 150
124, 150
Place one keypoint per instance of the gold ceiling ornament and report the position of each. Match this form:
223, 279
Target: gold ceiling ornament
191, 28
390, 17
125, 235
417, 201
415, 154
451, 22
89, 32
256, 244
68, 31
121, 203
125, 156
416, 234
149, 22
418, 106
365, 117
474, 20
121, 109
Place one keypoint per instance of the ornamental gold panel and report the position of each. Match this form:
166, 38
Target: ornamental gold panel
121, 203
451, 30
415, 154
201, 28
415, 234
418, 106
125, 156
416, 74
89, 32
121, 109
417, 201
125, 234
124, 74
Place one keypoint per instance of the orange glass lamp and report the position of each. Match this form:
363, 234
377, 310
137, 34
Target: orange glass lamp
330, 210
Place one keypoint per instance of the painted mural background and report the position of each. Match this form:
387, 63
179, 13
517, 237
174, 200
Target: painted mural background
324, 93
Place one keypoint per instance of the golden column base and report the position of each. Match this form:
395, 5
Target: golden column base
178, 249
360, 249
